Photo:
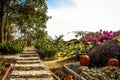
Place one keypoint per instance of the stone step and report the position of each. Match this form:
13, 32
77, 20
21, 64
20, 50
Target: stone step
28, 52
27, 58
28, 55
32, 78
38, 66
31, 73
28, 61
18, 61
29, 65
28, 68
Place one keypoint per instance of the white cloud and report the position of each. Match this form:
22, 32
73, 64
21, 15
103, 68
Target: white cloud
90, 15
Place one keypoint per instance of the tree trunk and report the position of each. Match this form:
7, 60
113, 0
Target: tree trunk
0, 28
1, 31
6, 28
1, 25
6, 35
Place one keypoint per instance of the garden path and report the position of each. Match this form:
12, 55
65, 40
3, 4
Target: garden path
28, 66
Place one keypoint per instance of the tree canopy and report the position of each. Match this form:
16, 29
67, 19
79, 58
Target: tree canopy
28, 17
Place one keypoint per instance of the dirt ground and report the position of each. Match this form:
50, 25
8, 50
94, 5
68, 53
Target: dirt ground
59, 62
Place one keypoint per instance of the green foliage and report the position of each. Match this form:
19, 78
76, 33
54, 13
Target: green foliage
26, 17
1, 64
103, 73
48, 47
117, 38
10, 47
45, 49
32, 20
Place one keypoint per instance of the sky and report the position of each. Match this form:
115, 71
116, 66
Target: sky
82, 15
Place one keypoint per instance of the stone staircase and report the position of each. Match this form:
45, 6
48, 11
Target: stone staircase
29, 67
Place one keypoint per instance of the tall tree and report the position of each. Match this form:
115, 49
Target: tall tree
7, 7
25, 14
33, 19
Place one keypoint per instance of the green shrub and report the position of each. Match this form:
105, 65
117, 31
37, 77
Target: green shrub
45, 48
9, 47
46, 51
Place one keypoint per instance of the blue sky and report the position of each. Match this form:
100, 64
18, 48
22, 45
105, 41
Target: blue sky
21, 1
60, 3
82, 15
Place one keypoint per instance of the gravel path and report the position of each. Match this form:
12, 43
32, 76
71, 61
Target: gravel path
28, 66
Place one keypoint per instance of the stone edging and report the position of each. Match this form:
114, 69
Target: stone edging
72, 72
56, 78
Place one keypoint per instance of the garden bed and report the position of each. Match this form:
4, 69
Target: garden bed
85, 73
5, 67
59, 73
4, 73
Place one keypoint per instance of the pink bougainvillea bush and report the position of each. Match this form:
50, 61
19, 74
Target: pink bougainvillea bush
101, 37
106, 45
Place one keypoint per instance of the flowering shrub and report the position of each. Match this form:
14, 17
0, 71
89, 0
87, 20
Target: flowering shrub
88, 40
101, 36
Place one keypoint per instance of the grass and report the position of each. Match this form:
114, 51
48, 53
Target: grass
59, 62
